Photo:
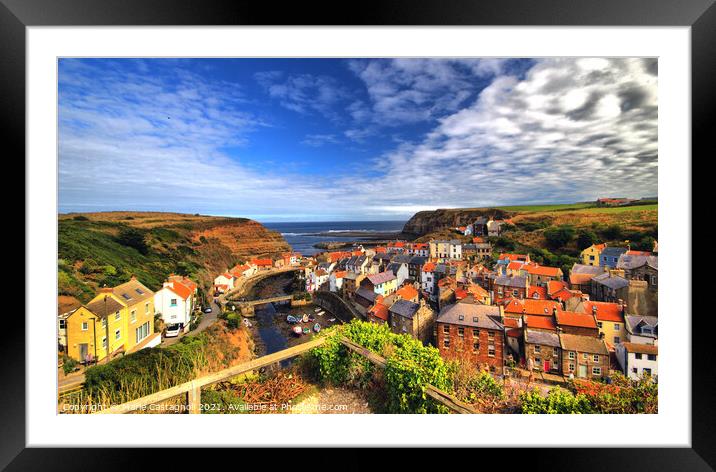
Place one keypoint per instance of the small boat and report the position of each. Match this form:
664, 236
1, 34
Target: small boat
316, 327
247, 322
321, 313
306, 330
305, 318
316, 310
331, 320
291, 319
297, 330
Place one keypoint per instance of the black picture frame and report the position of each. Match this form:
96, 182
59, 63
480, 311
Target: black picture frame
700, 15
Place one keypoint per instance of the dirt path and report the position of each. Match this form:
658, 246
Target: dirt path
333, 401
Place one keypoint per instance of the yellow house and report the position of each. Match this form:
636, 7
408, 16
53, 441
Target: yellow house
138, 313
90, 330
590, 256
610, 321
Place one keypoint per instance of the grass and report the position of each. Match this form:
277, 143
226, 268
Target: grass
555, 207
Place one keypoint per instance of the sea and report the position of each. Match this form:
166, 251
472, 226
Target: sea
302, 236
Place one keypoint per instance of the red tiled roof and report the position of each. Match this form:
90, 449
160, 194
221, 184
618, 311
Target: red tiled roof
511, 322
580, 279
513, 257
262, 262
638, 253
429, 267
180, 289
379, 311
478, 240
408, 292
340, 273
531, 307
540, 291
605, 311
515, 265
540, 322
570, 318
544, 270
460, 294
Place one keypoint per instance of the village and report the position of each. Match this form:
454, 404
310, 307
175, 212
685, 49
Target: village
499, 312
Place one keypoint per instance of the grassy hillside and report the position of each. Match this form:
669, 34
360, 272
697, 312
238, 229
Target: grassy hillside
108, 248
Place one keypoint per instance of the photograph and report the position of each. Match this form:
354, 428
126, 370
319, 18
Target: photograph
357, 235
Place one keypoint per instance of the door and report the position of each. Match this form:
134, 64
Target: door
582, 371
547, 366
83, 352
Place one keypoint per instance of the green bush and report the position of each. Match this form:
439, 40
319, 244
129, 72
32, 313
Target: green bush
557, 401
409, 365
132, 237
559, 236
68, 364
586, 238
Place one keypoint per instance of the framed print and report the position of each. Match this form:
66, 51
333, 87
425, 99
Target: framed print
380, 229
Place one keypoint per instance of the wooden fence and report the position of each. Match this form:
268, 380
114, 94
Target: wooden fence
192, 389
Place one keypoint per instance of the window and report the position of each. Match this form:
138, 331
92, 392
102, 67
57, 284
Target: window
446, 342
173, 302
595, 358
475, 333
515, 292
653, 280
634, 370
104, 323
491, 350
461, 332
476, 345
571, 366
133, 316
117, 316
142, 332
146, 308
617, 340
104, 342
596, 371
599, 324
446, 329
646, 371
538, 349
117, 334
651, 357
637, 356
85, 326
62, 324
616, 327
491, 335
571, 356
591, 258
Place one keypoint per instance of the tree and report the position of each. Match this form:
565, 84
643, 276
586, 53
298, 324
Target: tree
559, 236
586, 238
613, 232
133, 238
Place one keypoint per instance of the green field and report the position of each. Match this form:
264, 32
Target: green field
554, 207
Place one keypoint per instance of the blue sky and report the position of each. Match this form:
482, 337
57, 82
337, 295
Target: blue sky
352, 139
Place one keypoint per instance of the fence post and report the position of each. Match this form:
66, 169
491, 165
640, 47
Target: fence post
194, 399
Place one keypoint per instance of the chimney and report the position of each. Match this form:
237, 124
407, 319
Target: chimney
554, 311
105, 289
134, 277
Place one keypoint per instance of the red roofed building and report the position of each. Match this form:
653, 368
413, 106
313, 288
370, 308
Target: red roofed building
378, 312
577, 323
175, 303
536, 292
517, 307
541, 275
408, 292
540, 322
263, 263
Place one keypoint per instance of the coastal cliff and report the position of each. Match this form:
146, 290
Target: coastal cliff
108, 248
425, 222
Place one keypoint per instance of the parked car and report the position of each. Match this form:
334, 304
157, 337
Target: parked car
172, 331
207, 309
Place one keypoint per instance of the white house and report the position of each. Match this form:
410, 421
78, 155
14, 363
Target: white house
335, 280
224, 280
638, 360
320, 278
175, 302
642, 329
400, 270
427, 278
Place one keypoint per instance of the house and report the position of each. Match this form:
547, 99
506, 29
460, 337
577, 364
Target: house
540, 275
65, 306
614, 201
642, 329
335, 280
320, 280
351, 283
359, 264
638, 360
571, 322
262, 264
543, 350
584, 357
472, 332
536, 292
640, 267
427, 278
494, 227
365, 297
415, 267
408, 292
581, 275
510, 286
445, 250
138, 302
378, 312
610, 320
224, 282
609, 287
384, 283
243, 270
610, 256
504, 260
590, 255
479, 226
175, 303
416, 319
515, 307
400, 270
